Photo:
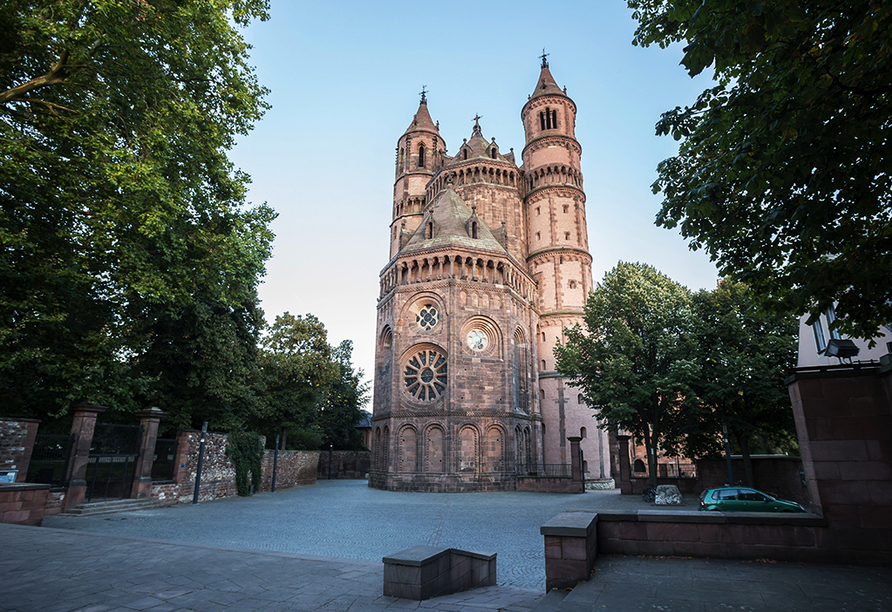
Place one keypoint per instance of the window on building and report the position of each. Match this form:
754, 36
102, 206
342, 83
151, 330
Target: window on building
421, 156
566, 208
464, 154
544, 367
474, 229
542, 120
492, 153
566, 235
830, 313
820, 341
554, 119
579, 399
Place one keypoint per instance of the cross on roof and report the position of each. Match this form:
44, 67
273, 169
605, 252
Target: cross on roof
545, 58
424, 94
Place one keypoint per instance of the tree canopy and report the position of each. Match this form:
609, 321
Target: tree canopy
741, 357
631, 361
341, 411
783, 173
120, 214
297, 373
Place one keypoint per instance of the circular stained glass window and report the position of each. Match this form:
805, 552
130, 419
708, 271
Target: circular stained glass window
477, 340
425, 375
427, 317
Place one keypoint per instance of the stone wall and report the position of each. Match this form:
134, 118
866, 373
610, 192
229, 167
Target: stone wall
16, 444
293, 468
22, 503
844, 422
549, 484
218, 473
344, 464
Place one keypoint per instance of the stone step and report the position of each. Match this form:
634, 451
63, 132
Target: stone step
579, 599
111, 507
551, 601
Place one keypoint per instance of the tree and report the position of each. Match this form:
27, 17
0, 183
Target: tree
783, 173
341, 410
741, 358
297, 372
119, 208
630, 360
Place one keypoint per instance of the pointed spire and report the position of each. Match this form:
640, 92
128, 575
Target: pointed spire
546, 84
422, 120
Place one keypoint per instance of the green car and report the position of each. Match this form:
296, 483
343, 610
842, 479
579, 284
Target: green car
740, 499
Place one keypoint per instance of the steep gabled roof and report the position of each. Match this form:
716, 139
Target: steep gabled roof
450, 217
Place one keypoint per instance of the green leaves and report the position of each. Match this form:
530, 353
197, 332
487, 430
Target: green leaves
782, 174
120, 214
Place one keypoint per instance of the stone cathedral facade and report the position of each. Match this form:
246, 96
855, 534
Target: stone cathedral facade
489, 262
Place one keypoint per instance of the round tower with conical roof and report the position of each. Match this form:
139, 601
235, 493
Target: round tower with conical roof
419, 154
559, 260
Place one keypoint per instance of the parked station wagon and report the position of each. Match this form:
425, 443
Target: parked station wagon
741, 499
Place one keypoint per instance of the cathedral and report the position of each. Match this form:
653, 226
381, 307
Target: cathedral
489, 262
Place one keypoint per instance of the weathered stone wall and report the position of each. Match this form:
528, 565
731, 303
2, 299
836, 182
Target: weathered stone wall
779, 475
293, 468
218, 473
555, 484
16, 444
344, 464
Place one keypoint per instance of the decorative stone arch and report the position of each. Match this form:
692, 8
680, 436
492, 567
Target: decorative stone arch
467, 456
494, 449
481, 336
407, 441
385, 444
385, 339
434, 450
520, 371
424, 373
425, 311
379, 451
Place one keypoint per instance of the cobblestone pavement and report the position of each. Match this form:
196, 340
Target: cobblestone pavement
348, 520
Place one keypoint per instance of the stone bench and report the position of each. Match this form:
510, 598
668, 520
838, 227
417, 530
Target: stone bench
423, 572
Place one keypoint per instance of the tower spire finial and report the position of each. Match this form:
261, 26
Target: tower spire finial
545, 58
477, 119
424, 94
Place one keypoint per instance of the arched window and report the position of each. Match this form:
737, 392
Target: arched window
421, 156
474, 229
542, 120
492, 153
544, 367
429, 231
583, 433
554, 119
464, 154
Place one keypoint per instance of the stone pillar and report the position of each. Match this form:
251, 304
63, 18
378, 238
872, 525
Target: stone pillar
142, 474
576, 464
625, 469
82, 427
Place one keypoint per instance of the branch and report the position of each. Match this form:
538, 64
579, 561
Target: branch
53, 77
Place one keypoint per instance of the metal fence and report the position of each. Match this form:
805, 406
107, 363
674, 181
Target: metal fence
164, 459
49, 459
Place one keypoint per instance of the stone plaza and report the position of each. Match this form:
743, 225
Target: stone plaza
320, 548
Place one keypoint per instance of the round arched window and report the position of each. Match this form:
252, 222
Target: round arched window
425, 375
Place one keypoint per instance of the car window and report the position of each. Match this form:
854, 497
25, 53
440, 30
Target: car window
726, 494
749, 495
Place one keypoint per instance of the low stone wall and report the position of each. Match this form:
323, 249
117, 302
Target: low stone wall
549, 484
344, 464
293, 468
569, 551
16, 444
218, 473
423, 572
23, 503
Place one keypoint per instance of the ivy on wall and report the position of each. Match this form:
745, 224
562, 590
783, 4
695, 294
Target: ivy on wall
245, 449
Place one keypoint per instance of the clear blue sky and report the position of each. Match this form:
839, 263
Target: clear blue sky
344, 80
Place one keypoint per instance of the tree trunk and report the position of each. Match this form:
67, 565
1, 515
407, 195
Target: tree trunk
650, 449
744, 442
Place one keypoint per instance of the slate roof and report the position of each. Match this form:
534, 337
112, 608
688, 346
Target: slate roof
450, 216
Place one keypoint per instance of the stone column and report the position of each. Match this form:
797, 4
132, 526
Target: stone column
142, 474
625, 469
576, 464
82, 427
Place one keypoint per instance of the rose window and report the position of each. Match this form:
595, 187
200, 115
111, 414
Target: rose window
427, 317
477, 340
425, 375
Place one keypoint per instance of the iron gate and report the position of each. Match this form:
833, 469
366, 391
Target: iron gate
49, 459
112, 461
